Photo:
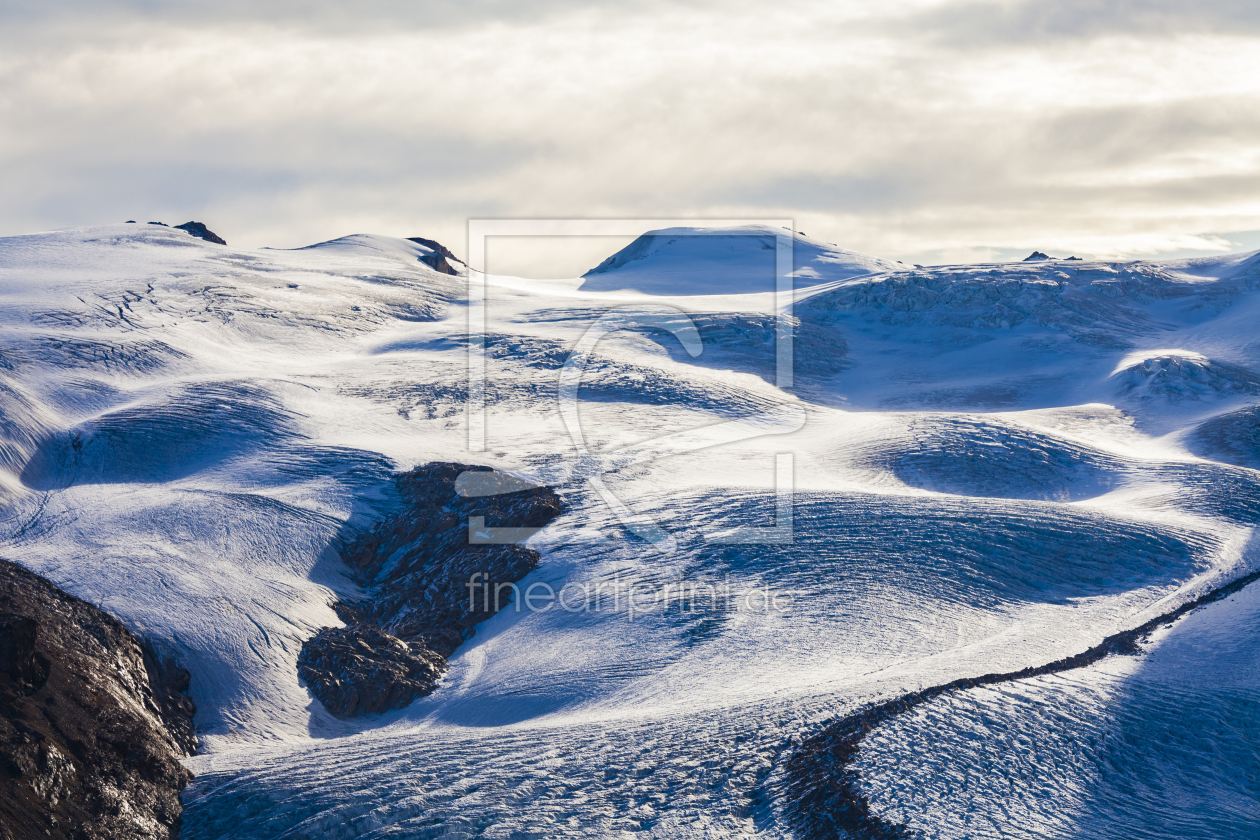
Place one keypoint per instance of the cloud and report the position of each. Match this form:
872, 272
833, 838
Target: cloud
1002, 23
877, 127
310, 16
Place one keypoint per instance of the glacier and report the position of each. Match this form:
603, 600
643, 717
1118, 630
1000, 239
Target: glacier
993, 467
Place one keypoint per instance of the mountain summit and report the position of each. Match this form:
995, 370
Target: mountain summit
713, 261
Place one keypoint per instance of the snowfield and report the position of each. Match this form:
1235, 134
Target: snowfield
993, 467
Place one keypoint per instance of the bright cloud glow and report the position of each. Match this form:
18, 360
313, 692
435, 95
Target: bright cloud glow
916, 131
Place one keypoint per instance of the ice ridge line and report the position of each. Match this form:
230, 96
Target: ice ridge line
823, 789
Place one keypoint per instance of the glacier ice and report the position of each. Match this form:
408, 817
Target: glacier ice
998, 466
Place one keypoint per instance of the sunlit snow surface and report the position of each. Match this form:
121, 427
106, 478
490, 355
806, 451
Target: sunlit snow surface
995, 466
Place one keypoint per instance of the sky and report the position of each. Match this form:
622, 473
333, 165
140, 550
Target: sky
928, 131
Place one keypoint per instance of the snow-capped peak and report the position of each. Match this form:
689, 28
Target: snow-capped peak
735, 260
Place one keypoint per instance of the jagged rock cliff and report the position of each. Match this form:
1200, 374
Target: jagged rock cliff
92, 723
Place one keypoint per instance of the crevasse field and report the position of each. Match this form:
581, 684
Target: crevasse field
992, 467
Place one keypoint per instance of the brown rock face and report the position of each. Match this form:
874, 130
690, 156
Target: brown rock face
91, 724
416, 568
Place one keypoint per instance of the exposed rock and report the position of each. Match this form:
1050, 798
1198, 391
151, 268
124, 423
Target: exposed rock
363, 670
416, 566
91, 724
200, 231
438, 263
436, 246
439, 259
1037, 255
18, 657
170, 684
423, 600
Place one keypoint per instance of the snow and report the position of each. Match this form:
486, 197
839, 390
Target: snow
1160, 747
723, 261
995, 466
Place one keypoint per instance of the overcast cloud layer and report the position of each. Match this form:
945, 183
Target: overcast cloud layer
922, 131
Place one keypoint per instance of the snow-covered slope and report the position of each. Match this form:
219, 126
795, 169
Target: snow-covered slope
994, 467
717, 261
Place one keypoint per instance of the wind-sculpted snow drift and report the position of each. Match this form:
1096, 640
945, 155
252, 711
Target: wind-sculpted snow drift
993, 470
175, 437
1233, 438
1184, 377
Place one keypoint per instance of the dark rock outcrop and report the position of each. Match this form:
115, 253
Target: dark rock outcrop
439, 260
428, 585
363, 670
436, 246
18, 658
200, 231
438, 263
170, 684
416, 566
91, 724
1037, 255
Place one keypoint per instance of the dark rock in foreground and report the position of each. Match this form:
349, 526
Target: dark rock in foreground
423, 601
91, 723
200, 231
